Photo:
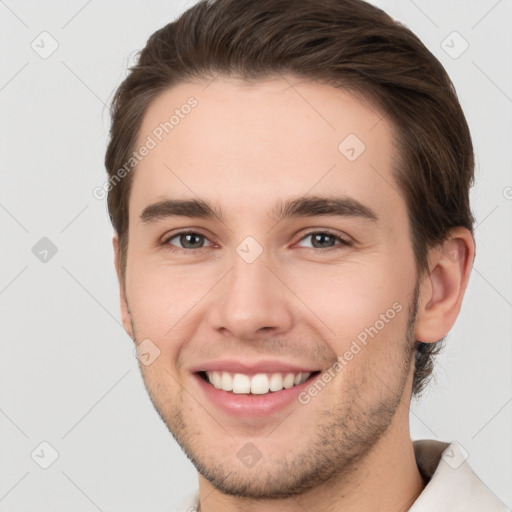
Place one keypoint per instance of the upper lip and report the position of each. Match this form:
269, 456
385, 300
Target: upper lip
251, 367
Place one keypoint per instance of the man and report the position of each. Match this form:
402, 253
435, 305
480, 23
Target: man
289, 186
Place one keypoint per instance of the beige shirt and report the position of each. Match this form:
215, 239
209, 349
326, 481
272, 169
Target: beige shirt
452, 485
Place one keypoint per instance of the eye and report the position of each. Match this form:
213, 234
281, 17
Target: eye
187, 240
325, 240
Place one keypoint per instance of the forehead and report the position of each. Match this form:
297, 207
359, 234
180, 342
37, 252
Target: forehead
243, 145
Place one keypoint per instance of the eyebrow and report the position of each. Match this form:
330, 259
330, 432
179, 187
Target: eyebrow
305, 206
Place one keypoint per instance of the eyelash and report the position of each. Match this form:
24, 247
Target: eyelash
344, 242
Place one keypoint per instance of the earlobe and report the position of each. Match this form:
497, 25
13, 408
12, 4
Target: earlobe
125, 311
442, 290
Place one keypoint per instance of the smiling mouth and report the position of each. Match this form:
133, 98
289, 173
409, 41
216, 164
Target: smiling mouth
258, 384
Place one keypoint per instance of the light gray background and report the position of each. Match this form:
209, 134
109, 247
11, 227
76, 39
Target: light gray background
67, 372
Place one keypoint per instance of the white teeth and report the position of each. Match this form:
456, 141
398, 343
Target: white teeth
276, 382
216, 380
241, 383
259, 384
288, 381
226, 382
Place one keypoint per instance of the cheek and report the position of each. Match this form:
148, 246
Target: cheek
159, 294
349, 299
165, 300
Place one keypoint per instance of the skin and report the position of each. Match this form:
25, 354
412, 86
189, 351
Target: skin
243, 148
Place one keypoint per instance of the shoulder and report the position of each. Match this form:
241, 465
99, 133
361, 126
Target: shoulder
452, 484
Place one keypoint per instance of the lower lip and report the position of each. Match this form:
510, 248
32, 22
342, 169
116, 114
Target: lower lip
248, 405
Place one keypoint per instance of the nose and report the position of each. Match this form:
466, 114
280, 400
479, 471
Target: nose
251, 301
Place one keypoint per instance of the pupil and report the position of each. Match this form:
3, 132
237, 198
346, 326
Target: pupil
185, 239
322, 237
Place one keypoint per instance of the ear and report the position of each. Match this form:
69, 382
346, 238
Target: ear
442, 290
125, 311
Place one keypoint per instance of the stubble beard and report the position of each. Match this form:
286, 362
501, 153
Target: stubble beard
344, 436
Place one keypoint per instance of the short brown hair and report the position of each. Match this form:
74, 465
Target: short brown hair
348, 44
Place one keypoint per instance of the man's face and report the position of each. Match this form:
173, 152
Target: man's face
253, 293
